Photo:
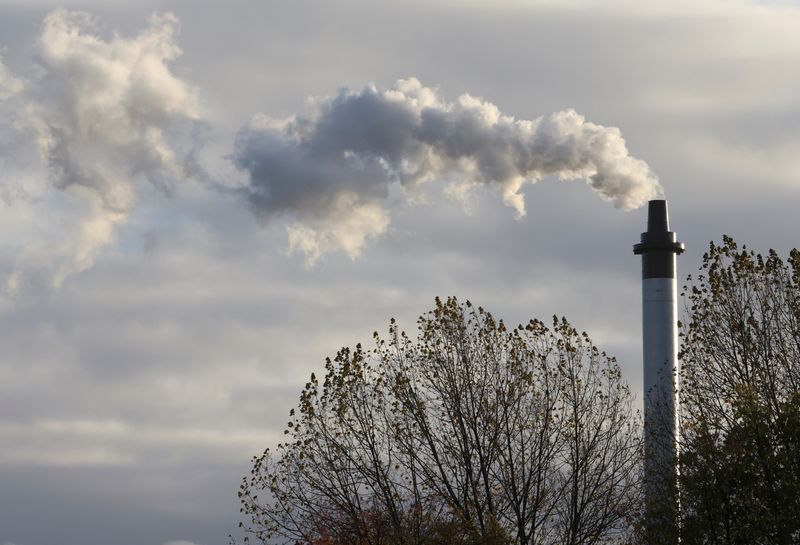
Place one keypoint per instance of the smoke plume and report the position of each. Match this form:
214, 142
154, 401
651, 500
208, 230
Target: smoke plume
9, 85
330, 172
10, 89
103, 114
108, 114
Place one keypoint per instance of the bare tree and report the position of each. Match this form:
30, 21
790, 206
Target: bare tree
468, 433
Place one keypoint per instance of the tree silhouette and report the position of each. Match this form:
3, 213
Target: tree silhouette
469, 433
740, 461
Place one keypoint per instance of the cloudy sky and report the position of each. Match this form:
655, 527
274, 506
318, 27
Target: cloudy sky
200, 201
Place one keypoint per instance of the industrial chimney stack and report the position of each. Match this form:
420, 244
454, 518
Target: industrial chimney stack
658, 248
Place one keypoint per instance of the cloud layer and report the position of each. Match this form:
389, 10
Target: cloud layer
330, 172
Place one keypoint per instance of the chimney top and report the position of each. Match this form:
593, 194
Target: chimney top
658, 237
657, 216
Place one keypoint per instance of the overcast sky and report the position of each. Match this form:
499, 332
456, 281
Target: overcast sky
199, 201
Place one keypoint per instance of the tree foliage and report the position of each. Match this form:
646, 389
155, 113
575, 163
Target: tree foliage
740, 459
469, 433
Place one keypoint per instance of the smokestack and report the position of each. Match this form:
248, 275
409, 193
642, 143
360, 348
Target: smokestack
658, 248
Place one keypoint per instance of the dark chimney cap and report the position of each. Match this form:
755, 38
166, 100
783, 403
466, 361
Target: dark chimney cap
657, 217
658, 236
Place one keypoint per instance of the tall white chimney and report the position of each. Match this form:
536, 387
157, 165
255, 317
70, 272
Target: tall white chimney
658, 249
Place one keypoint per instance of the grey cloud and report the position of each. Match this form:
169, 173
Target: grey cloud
71, 508
331, 171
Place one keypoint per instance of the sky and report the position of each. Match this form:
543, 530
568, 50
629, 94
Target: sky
201, 201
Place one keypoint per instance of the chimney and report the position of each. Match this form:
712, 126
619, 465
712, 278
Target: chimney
658, 248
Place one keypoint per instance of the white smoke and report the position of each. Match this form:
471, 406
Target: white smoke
108, 114
10, 89
330, 172
9, 85
103, 114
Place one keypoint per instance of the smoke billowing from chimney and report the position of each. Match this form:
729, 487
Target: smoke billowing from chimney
108, 114
9, 85
104, 114
330, 171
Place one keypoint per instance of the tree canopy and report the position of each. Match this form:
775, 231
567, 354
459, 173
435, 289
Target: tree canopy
470, 432
740, 461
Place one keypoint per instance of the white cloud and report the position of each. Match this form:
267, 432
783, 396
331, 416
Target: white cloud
85, 442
